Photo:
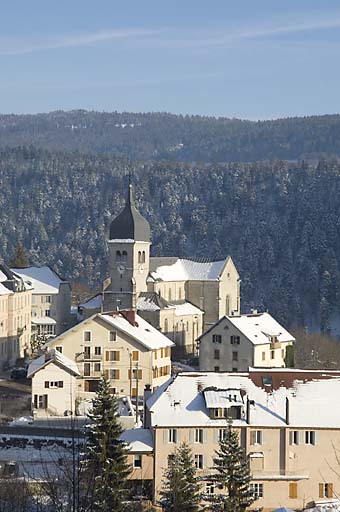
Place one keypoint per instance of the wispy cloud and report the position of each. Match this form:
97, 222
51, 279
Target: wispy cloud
26, 47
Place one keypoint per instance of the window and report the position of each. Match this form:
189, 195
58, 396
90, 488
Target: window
217, 338
222, 433
135, 373
210, 488
310, 437
325, 490
294, 437
216, 354
87, 352
172, 433
112, 355
87, 369
124, 256
257, 490
267, 380
272, 354
198, 459
59, 349
118, 256
235, 356
137, 461
114, 374
54, 384
293, 490
135, 355
47, 299
40, 401
47, 312
235, 340
199, 435
256, 437
87, 336
112, 336
216, 369
97, 367
97, 351
263, 356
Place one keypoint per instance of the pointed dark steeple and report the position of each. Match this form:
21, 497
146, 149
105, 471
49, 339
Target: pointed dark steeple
130, 224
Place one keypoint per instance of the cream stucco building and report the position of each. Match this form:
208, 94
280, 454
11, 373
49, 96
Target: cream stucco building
179, 296
121, 345
287, 422
51, 300
238, 342
15, 317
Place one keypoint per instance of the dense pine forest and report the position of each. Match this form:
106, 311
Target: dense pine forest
174, 137
279, 221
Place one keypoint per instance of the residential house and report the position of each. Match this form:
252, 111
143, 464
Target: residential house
51, 300
121, 345
15, 317
287, 421
235, 343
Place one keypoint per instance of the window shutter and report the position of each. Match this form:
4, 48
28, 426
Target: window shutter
293, 490
107, 355
178, 440
252, 437
61, 384
140, 373
129, 374
118, 374
203, 461
300, 437
165, 436
205, 435
107, 374
117, 355
262, 437
35, 401
47, 384
192, 435
321, 489
330, 490
291, 433
45, 401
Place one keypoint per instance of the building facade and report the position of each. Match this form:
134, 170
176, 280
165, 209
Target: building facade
15, 317
51, 300
238, 342
286, 422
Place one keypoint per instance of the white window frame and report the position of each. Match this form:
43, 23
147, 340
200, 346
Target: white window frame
139, 459
310, 437
172, 435
199, 435
199, 461
257, 489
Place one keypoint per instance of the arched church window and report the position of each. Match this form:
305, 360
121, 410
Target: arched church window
227, 305
124, 256
179, 293
139, 257
143, 257
118, 256
169, 294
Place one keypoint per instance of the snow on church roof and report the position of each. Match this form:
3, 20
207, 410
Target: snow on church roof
43, 279
177, 269
311, 401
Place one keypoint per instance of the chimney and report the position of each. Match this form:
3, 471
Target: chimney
248, 412
130, 316
287, 410
147, 414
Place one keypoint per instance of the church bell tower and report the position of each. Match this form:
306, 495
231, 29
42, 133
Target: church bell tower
129, 254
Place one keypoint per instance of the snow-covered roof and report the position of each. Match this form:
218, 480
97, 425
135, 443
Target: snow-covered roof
258, 328
122, 241
186, 308
53, 356
181, 401
3, 289
94, 302
43, 279
138, 439
43, 320
222, 397
177, 269
141, 331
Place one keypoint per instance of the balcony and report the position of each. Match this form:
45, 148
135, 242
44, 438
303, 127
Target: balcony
275, 345
80, 358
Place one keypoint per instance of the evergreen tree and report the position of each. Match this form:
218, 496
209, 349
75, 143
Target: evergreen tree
231, 476
106, 455
19, 258
181, 488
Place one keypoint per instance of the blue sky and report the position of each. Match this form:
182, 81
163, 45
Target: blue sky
254, 59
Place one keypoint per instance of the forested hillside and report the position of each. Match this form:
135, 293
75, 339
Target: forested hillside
280, 222
173, 137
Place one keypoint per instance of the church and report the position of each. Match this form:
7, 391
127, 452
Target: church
181, 297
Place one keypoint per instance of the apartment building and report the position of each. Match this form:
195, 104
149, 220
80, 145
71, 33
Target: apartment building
120, 345
236, 343
287, 421
15, 317
51, 300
